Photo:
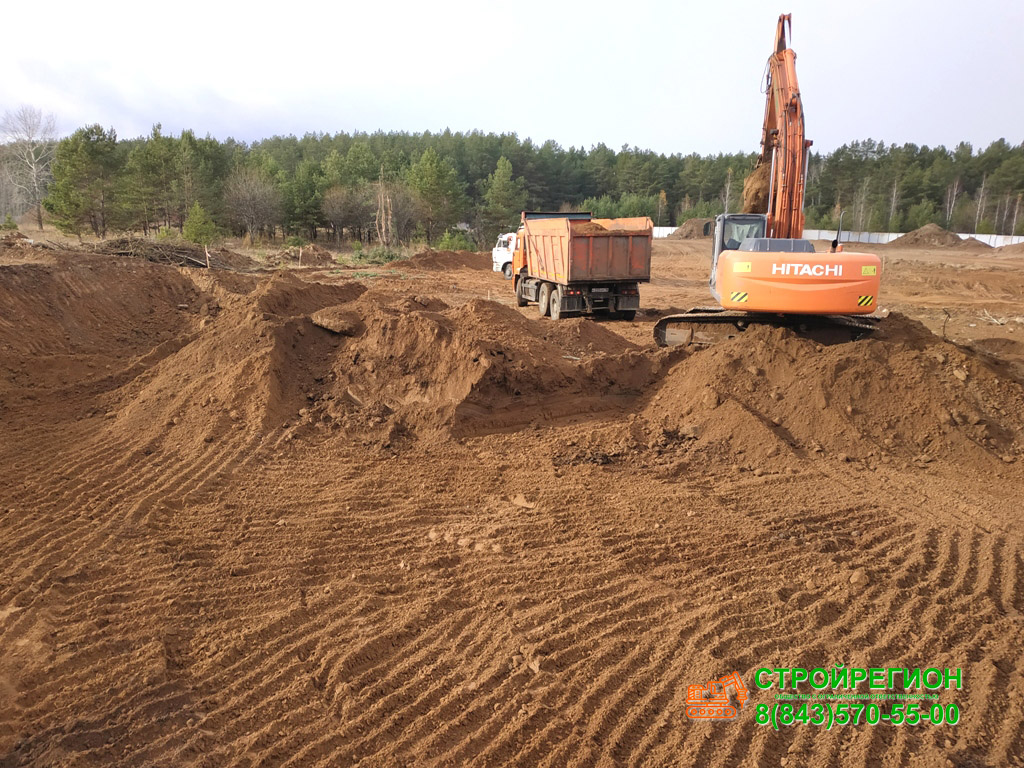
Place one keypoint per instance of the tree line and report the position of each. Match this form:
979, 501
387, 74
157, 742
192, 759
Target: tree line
398, 186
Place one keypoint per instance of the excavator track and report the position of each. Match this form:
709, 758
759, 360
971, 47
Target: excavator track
705, 326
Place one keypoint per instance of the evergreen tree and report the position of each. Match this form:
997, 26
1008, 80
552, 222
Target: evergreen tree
437, 184
504, 201
85, 170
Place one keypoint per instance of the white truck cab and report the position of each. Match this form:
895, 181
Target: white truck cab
501, 254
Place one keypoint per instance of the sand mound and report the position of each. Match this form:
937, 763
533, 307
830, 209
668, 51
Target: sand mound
973, 243
770, 397
311, 255
288, 295
208, 355
443, 260
928, 236
691, 229
1011, 250
472, 367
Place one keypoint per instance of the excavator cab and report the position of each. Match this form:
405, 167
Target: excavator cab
731, 229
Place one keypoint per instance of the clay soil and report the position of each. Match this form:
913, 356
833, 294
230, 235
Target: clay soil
324, 517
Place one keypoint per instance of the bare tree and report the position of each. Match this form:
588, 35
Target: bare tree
952, 192
406, 210
384, 219
30, 141
981, 203
252, 201
725, 196
352, 208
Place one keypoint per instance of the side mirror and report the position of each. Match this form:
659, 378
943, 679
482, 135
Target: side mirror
707, 229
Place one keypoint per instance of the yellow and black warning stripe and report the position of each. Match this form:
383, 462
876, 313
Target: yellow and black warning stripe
739, 296
865, 301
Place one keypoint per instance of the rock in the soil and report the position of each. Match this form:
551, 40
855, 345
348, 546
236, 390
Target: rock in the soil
860, 578
520, 501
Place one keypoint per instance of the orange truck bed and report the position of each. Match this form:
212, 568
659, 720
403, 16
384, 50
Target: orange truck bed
565, 251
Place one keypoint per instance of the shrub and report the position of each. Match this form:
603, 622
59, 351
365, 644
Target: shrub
378, 255
296, 242
9, 224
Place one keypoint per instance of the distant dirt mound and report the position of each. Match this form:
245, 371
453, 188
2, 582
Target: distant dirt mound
311, 255
973, 243
691, 229
770, 397
928, 236
1011, 250
443, 260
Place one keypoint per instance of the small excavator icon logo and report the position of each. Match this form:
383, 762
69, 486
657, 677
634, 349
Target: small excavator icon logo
711, 701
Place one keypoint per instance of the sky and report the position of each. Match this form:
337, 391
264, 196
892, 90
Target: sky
673, 76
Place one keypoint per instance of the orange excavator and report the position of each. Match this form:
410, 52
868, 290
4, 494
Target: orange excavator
762, 270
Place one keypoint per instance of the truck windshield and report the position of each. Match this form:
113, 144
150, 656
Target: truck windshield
738, 231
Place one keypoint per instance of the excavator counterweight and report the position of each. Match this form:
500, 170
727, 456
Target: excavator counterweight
762, 270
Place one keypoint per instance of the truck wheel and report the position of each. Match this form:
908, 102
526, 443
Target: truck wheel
520, 299
544, 299
507, 271
555, 304
627, 314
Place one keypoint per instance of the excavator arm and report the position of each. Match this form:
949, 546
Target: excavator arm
776, 187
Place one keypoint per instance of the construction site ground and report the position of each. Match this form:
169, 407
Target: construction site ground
383, 517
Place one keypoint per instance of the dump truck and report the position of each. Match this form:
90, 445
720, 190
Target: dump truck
572, 263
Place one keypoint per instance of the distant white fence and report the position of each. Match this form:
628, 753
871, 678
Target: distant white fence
877, 237
887, 237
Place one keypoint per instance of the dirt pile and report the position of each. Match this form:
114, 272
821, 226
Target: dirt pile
427, 366
769, 398
187, 359
973, 243
928, 236
431, 260
691, 229
1016, 249
311, 255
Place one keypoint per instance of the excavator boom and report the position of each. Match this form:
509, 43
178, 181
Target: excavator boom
782, 165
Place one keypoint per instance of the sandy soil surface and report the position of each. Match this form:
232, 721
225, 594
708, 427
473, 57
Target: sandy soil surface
449, 532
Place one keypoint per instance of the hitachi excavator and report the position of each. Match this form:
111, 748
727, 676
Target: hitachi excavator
762, 270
